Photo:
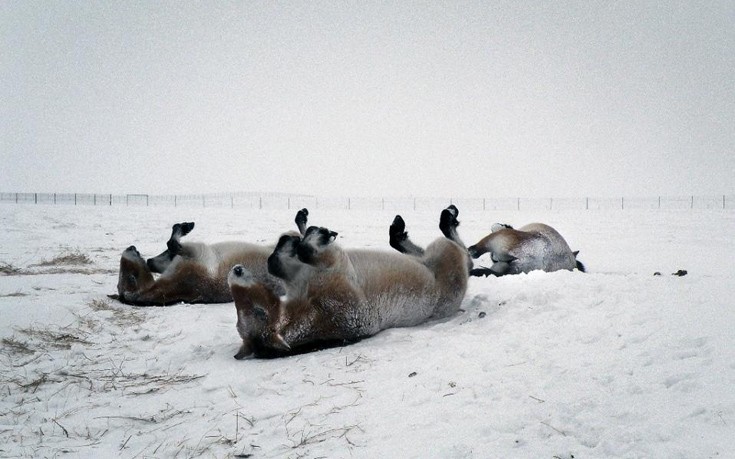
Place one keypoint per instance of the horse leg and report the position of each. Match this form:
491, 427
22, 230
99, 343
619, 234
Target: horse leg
301, 219
448, 224
398, 238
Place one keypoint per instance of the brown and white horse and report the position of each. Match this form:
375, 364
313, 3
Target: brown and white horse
192, 272
532, 247
336, 296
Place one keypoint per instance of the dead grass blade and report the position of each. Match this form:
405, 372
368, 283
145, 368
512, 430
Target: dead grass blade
14, 346
60, 339
69, 257
7, 269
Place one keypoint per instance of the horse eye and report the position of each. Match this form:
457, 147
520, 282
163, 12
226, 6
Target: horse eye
260, 313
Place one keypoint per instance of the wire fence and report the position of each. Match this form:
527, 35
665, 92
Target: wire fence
292, 201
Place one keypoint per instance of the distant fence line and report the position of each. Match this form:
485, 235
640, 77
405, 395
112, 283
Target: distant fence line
281, 201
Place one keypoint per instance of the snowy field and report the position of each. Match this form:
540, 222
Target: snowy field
613, 363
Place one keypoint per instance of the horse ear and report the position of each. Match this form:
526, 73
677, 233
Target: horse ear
332, 236
279, 343
576, 252
245, 351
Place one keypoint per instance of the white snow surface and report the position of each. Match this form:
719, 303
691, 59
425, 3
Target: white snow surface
613, 363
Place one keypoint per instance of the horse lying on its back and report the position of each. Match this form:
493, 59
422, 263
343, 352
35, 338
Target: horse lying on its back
192, 272
336, 296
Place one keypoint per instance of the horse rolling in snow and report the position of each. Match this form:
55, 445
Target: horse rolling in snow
191, 272
336, 296
532, 247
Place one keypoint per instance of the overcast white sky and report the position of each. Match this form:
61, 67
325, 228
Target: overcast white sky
487, 98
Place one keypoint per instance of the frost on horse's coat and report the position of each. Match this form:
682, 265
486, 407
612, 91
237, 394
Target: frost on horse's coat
337, 296
532, 247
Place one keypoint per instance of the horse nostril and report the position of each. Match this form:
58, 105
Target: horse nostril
238, 270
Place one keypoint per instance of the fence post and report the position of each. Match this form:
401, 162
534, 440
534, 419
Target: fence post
35, 198
622, 203
16, 198
382, 203
659, 202
289, 203
75, 199
518, 204
95, 199
54, 198
175, 200
692, 206
586, 203
146, 200
414, 204
723, 201
483, 204
260, 202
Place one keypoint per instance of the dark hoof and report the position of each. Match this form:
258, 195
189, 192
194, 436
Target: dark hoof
182, 229
397, 234
453, 210
482, 272
301, 219
398, 226
448, 222
680, 273
186, 228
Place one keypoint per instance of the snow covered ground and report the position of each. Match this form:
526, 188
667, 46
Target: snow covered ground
613, 363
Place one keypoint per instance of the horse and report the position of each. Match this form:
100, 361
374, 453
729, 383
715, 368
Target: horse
192, 272
337, 296
535, 246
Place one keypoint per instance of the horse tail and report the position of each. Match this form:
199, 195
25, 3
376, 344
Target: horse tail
580, 265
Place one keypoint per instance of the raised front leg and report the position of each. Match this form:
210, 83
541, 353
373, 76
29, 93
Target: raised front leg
448, 224
161, 262
178, 231
398, 238
302, 217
